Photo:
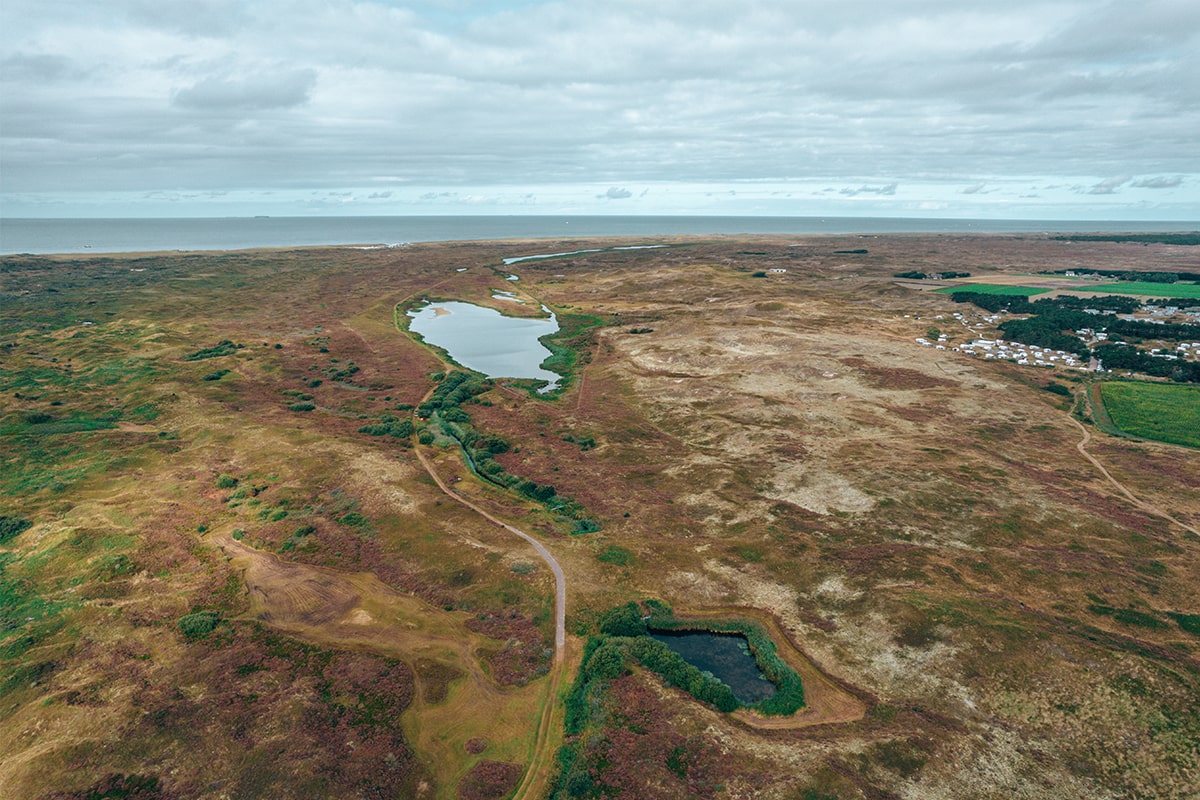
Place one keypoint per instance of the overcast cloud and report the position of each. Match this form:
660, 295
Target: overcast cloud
1028, 108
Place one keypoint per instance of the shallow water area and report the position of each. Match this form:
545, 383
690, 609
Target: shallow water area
484, 340
726, 655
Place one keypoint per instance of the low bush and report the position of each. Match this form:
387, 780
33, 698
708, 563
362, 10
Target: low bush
11, 527
199, 624
223, 348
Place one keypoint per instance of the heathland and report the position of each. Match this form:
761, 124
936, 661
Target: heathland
257, 539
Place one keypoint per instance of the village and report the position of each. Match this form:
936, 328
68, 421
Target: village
1032, 355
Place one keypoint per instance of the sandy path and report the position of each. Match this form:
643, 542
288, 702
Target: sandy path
1147, 507
560, 580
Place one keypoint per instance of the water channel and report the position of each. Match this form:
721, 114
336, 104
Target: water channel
484, 340
726, 655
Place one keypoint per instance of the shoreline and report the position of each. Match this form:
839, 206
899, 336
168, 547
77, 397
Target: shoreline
109, 237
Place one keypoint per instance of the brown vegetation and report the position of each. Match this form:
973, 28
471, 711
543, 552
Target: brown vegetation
989, 611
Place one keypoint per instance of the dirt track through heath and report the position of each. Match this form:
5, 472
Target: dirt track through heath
1130, 496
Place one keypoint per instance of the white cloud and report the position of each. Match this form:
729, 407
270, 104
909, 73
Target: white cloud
1110, 185
1160, 182
283, 90
326, 94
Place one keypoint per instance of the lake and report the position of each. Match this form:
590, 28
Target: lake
725, 655
484, 340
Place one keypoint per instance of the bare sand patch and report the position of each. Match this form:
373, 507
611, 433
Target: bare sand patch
817, 490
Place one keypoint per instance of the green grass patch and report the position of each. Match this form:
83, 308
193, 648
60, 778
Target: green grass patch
991, 288
1161, 411
1189, 291
614, 554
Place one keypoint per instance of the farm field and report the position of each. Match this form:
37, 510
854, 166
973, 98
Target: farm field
1165, 412
991, 288
243, 552
1187, 291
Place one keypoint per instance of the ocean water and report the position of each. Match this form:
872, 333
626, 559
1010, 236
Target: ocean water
235, 233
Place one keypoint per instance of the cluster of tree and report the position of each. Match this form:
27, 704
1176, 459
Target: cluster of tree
1047, 330
456, 389
1133, 275
622, 641
1153, 330
1116, 356
1017, 304
1192, 238
921, 276
632, 622
389, 425
789, 689
657, 657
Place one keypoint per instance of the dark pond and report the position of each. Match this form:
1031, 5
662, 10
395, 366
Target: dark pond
725, 655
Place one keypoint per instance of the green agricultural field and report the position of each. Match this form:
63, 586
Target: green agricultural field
1161, 411
993, 288
1190, 291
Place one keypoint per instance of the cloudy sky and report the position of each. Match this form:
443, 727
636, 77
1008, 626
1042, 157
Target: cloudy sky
1038, 109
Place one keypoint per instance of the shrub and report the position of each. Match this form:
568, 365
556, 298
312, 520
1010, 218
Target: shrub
225, 481
222, 348
11, 527
623, 620
216, 375
302, 406
199, 624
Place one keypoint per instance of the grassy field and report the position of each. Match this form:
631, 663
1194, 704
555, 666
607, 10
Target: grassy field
1160, 411
1189, 291
992, 288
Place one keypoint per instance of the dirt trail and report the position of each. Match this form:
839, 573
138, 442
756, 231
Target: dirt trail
1147, 507
537, 773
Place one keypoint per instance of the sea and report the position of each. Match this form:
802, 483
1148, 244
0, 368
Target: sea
44, 236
